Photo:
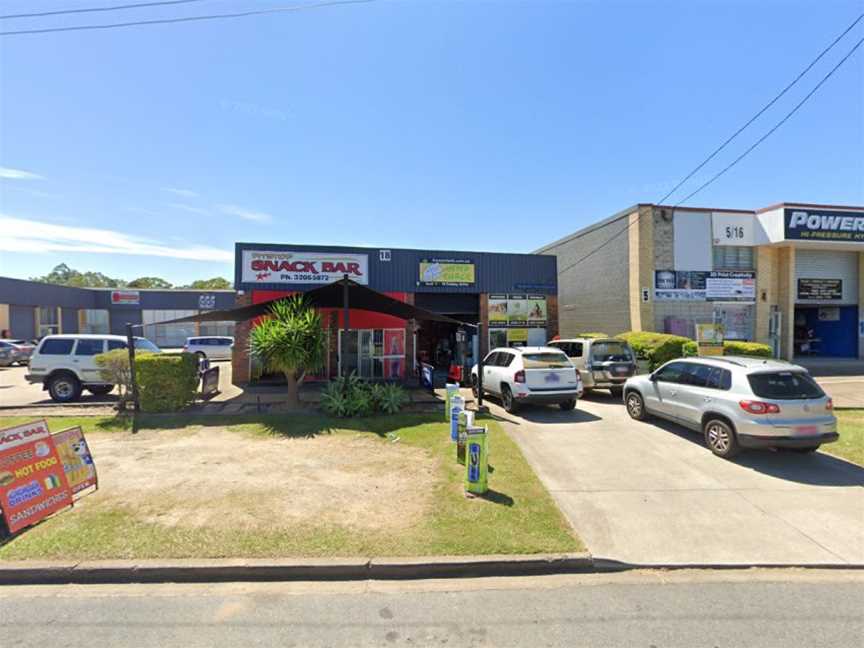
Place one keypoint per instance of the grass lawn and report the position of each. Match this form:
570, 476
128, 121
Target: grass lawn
850, 446
427, 514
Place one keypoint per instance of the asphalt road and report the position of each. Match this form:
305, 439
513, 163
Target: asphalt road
651, 493
634, 609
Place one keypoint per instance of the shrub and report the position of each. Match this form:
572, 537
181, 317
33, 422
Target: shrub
352, 396
734, 348
166, 383
391, 398
755, 349
114, 369
655, 348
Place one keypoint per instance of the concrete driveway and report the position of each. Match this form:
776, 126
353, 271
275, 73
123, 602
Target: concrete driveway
651, 493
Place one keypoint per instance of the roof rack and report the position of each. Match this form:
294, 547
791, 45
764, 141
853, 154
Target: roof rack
727, 360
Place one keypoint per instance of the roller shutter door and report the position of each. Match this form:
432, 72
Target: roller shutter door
827, 264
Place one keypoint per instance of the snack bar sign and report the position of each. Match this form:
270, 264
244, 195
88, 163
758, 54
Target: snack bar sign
33, 484
823, 225
286, 267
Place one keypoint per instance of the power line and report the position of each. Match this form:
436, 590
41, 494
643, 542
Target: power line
61, 12
165, 21
764, 108
777, 125
743, 155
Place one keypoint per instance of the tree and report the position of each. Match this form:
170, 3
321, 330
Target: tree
149, 282
291, 341
63, 275
216, 283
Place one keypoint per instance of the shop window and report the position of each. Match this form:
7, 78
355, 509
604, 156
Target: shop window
733, 257
93, 321
48, 321
738, 320
375, 354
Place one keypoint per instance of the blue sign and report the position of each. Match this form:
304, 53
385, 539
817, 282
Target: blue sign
473, 462
454, 423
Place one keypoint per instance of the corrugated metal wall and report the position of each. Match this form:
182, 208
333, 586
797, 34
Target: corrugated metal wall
494, 272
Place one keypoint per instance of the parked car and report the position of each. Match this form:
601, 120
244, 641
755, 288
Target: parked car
19, 350
65, 364
529, 375
603, 363
212, 347
7, 357
737, 402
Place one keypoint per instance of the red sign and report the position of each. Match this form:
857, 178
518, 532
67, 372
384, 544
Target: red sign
33, 484
125, 297
294, 267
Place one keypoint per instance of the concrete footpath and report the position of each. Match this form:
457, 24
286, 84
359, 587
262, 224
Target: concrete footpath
651, 493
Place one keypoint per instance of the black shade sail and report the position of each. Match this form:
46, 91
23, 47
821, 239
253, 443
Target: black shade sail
329, 296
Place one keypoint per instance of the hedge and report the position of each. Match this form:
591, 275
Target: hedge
734, 348
166, 383
655, 348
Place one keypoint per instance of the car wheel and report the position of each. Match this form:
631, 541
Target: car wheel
720, 438
636, 406
64, 388
568, 405
508, 401
616, 392
100, 390
807, 449
474, 390
201, 355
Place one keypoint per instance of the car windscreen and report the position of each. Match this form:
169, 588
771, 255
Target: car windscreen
784, 385
612, 350
547, 360
143, 344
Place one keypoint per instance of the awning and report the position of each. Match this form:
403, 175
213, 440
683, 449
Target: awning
329, 296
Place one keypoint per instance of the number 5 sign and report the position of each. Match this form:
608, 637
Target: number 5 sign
733, 229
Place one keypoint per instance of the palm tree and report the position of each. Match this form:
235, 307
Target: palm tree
290, 340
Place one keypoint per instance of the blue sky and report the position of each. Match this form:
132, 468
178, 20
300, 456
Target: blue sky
479, 125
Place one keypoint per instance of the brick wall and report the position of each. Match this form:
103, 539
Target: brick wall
551, 316
594, 295
240, 365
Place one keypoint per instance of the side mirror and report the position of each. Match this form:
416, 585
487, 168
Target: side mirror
653, 376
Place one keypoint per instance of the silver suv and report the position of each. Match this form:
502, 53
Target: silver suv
737, 402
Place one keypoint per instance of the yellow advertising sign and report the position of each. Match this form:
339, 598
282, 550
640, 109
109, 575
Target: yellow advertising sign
77, 461
519, 335
446, 272
709, 339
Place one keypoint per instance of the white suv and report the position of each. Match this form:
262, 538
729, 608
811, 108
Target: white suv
529, 375
65, 364
737, 402
212, 347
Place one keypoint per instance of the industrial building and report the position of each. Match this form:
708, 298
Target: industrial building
790, 275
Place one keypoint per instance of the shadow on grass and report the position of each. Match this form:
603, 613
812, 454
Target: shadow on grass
498, 498
300, 425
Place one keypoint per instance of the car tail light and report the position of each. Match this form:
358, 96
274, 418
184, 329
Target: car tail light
519, 377
829, 404
758, 407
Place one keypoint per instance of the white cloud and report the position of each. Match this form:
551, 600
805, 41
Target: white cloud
189, 208
17, 174
184, 193
20, 235
247, 214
